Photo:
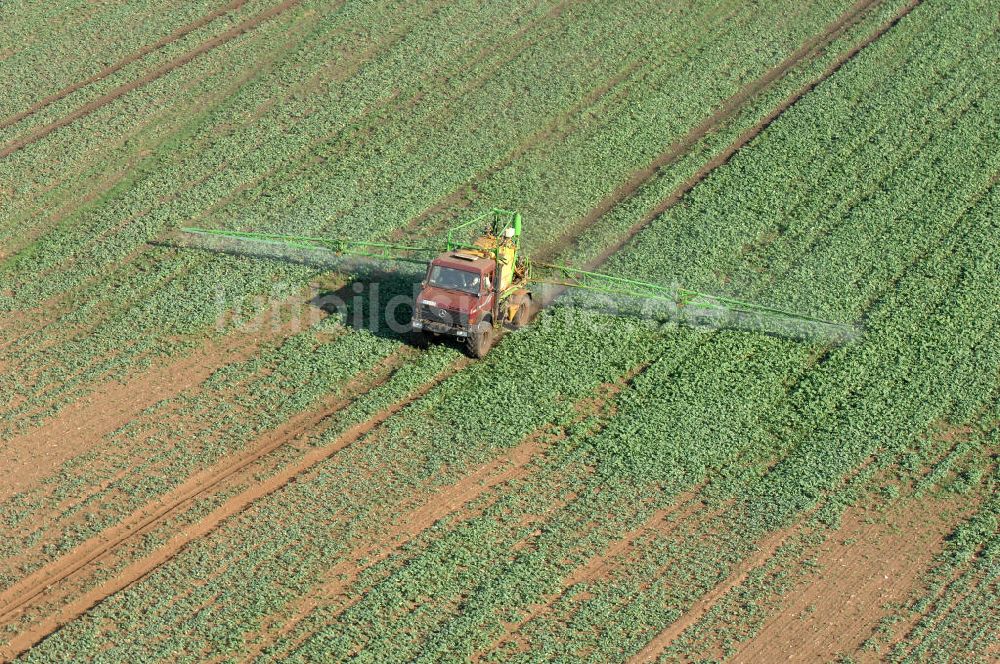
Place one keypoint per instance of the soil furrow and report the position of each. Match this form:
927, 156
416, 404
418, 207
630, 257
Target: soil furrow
180, 33
686, 505
729, 110
503, 470
30, 456
861, 568
121, 90
450, 502
35, 588
935, 614
766, 549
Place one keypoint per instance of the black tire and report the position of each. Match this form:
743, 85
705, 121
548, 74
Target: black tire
525, 313
480, 340
422, 339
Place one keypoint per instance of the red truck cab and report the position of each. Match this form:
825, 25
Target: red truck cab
474, 290
457, 294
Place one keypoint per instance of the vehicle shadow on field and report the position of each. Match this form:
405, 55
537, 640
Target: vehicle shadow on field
370, 294
376, 299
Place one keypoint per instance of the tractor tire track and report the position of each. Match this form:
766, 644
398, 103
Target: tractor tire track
452, 500
559, 126
906, 639
683, 508
33, 590
730, 109
854, 586
428, 386
766, 548
90, 107
14, 598
765, 551
110, 408
409, 525
552, 130
174, 36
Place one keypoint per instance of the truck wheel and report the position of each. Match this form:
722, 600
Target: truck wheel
480, 341
422, 339
525, 313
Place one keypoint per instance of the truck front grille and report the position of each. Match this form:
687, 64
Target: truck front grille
445, 316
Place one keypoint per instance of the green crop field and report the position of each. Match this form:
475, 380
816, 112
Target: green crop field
203, 459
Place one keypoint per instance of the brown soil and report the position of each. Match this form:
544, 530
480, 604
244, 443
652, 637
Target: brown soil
42, 586
730, 108
34, 455
180, 33
862, 569
15, 324
965, 573
661, 522
121, 90
454, 501
199, 484
407, 525
765, 550
17, 599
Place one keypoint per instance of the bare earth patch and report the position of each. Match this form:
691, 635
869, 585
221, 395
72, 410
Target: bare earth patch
32, 456
873, 561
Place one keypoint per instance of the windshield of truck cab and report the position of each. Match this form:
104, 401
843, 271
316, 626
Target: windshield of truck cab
450, 278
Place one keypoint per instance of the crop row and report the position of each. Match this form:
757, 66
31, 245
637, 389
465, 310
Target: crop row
401, 460
95, 303
956, 610
170, 273
560, 536
54, 45
833, 401
775, 425
174, 438
159, 290
119, 132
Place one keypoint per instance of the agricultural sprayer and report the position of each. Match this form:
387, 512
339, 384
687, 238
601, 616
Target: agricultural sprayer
473, 289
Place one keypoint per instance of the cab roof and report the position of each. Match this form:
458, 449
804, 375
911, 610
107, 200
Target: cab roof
465, 262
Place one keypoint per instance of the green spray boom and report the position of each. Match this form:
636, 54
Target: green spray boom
502, 224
